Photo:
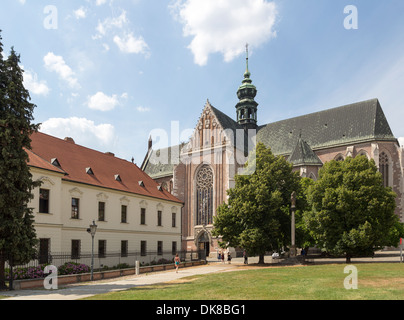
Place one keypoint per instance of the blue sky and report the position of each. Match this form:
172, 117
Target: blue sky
109, 72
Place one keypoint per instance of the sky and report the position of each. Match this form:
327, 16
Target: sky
110, 73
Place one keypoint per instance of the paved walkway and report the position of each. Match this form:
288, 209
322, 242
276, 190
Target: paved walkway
84, 290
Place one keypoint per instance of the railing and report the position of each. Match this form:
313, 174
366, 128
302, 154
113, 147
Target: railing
112, 260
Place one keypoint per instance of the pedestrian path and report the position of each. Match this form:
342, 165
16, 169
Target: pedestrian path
80, 291
84, 290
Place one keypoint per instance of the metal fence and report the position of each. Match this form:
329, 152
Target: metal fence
113, 260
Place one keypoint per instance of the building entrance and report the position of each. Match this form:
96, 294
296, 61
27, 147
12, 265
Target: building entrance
204, 243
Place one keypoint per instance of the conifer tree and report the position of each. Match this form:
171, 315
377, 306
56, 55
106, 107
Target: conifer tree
17, 234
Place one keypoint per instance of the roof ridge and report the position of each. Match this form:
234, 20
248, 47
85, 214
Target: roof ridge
324, 111
81, 146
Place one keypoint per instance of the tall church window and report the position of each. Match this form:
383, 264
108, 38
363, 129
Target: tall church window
204, 196
384, 168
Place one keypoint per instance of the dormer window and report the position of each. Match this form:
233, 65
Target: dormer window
118, 178
141, 183
159, 188
89, 171
55, 162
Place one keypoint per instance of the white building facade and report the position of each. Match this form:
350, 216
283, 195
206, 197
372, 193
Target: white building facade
133, 214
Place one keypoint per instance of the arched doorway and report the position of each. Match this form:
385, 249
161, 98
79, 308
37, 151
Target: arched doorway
204, 243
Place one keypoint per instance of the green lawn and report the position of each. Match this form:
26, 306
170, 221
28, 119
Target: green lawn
376, 281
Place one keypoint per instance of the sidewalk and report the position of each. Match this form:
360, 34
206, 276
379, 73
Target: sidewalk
80, 291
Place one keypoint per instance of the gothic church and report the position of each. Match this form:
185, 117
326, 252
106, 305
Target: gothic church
200, 171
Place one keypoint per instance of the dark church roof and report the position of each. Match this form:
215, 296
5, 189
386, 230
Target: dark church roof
160, 163
350, 124
303, 155
299, 137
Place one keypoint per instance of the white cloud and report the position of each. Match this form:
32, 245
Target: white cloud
57, 64
21, 1
110, 23
100, 2
132, 44
84, 132
224, 26
401, 141
100, 101
80, 13
142, 109
33, 85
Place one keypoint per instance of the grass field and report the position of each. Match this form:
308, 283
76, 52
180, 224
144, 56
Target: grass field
376, 281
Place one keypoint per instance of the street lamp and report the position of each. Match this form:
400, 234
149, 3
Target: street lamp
293, 207
92, 230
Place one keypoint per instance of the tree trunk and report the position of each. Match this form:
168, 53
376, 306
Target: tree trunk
2, 274
348, 258
261, 259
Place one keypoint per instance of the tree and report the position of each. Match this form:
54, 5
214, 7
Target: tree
17, 234
257, 215
304, 238
352, 213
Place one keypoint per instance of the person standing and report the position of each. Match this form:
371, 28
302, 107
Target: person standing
222, 257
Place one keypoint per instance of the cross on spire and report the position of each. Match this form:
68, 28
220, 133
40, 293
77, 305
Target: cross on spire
246, 49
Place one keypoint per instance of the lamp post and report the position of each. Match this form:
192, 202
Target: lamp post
293, 207
92, 230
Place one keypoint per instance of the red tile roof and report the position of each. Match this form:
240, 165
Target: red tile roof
75, 161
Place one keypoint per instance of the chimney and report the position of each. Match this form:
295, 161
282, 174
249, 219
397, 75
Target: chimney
70, 140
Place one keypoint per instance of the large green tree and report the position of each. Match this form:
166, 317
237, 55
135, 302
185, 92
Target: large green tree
352, 213
257, 215
17, 234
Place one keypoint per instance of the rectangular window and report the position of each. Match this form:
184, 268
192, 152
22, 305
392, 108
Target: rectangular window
75, 249
101, 211
75, 208
102, 248
173, 219
124, 248
44, 250
174, 248
142, 216
143, 248
124, 210
44, 201
159, 216
160, 248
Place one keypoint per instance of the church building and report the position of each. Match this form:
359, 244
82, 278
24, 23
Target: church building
200, 171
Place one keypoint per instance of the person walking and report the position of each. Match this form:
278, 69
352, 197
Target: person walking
177, 262
222, 256
229, 257
245, 257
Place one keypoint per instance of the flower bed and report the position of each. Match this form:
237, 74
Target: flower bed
39, 272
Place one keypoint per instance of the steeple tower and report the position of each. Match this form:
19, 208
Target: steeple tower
247, 107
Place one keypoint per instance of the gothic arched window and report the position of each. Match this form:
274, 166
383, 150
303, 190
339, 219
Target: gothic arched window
384, 168
204, 196
340, 157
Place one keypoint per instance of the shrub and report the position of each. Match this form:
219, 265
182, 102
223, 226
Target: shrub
73, 268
